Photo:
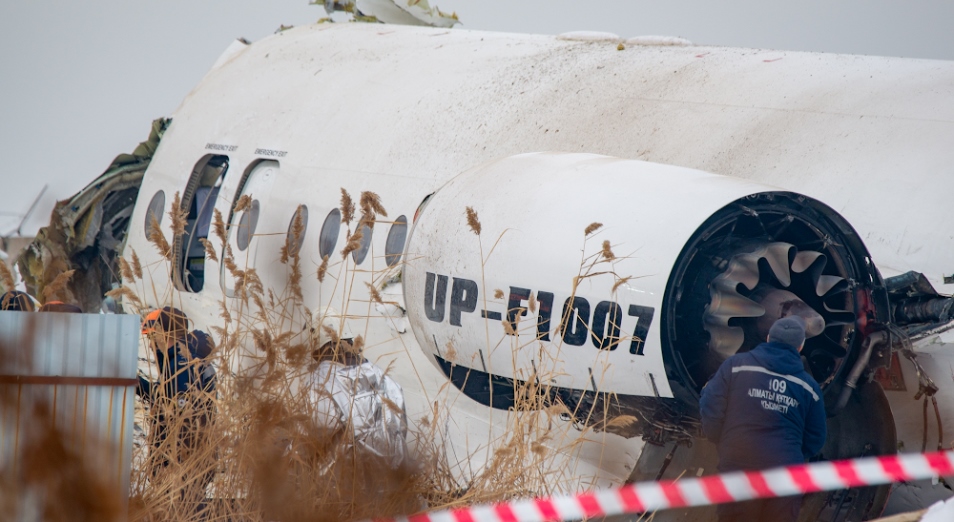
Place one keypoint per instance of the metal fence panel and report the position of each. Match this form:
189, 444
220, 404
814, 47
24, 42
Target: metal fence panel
72, 374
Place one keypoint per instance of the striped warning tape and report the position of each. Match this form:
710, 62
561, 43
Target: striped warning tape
714, 489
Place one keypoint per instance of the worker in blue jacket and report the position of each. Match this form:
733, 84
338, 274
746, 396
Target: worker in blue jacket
762, 409
181, 403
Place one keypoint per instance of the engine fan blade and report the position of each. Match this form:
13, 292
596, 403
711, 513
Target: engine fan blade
743, 269
811, 263
725, 340
726, 305
828, 284
778, 257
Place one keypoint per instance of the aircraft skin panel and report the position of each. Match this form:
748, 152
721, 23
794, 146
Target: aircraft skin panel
833, 127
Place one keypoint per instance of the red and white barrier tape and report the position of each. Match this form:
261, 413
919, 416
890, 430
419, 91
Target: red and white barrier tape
714, 489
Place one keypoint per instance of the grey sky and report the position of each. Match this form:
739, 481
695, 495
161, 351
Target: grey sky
81, 83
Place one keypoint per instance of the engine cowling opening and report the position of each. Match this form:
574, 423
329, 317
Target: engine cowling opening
762, 257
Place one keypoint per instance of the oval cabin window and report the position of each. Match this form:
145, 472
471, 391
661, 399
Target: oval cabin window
394, 246
296, 231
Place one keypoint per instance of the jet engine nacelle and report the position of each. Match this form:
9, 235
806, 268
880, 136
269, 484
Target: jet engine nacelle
686, 269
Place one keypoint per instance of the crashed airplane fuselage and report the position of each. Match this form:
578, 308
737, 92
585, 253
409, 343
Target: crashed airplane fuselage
752, 184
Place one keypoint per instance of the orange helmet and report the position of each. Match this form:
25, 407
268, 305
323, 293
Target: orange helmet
169, 320
149, 323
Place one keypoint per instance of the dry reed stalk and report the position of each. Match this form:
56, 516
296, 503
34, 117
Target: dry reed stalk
370, 209
125, 270
6, 277
622, 421
253, 282
332, 334
347, 207
358, 345
260, 304
620, 282
472, 221
244, 202
57, 289
209, 249
126, 294
607, 253
508, 327
136, 265
592, 227
224, 314
218, 225
373, 293
229, 260
498, 294
178, 216
371, 204
354, 243
291, 246
158, 239
322, 269
294, 279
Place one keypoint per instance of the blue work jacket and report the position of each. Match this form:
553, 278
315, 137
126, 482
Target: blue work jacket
763, 409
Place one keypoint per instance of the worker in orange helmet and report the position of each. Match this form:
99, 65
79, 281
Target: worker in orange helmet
181, 404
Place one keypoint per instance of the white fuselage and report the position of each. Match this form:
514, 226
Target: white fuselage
400, 111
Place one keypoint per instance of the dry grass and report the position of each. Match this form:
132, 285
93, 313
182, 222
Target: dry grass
322, 269
472, 221
7, 281
260, 450
158, 239
347, 207
58, 289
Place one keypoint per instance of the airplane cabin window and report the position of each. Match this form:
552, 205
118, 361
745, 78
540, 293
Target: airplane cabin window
295, 238
198, 199
362, 251
154, 211
328, 237
246, 226
394, 245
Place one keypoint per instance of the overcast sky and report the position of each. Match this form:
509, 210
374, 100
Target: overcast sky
81, 81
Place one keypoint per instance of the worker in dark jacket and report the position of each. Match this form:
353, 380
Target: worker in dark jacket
763, 410
182, 402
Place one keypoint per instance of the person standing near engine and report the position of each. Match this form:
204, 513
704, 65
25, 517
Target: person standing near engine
763, 410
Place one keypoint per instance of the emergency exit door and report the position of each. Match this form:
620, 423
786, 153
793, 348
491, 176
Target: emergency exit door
244, 223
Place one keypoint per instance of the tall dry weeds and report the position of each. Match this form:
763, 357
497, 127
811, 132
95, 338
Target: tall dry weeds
269, 460
58, 289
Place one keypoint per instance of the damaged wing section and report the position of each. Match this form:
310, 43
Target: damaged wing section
88, 231
404, 12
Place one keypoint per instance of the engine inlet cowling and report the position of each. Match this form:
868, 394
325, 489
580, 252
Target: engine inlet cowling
760, 258
698, 267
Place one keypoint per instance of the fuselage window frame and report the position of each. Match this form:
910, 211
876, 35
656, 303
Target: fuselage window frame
188, 252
